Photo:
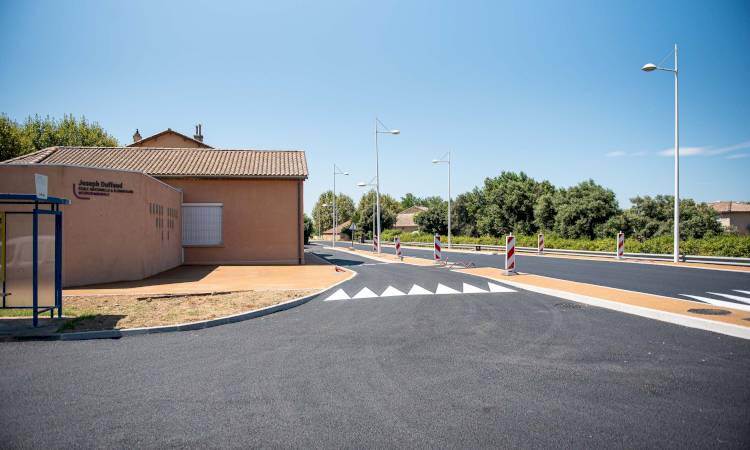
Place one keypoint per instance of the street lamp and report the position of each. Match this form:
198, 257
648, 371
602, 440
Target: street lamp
370, 184
650, 68
447, 161
336, 171
378, 130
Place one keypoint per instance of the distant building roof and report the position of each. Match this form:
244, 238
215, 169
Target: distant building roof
340, 228
144, 142
405, 218
730, 206
177, 162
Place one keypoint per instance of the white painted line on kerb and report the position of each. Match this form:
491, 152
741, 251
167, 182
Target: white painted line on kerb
715, 302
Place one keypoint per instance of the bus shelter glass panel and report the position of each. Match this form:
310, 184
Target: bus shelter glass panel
19, 257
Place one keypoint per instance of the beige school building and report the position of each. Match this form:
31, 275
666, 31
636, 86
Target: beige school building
168, 200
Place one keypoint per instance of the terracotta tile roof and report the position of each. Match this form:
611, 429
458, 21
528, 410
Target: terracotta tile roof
177, 162
727, 207
406, 217
169, 131
341, 227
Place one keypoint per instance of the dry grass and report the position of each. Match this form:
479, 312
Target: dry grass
132, 311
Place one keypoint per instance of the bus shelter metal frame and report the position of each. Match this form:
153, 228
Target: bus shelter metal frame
54, 204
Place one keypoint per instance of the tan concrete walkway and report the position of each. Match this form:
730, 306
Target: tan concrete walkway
315, 275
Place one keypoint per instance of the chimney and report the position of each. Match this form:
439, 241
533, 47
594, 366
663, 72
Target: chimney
198, 133
136, 136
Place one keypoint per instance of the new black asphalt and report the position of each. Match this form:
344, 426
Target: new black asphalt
473, 370
656, 279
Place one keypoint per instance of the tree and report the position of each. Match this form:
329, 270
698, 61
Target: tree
654, 216
435, 219
389, 208
409, 200
37, 133
507, 204
582, 210
545, 212
323, 215
308, 228
464, 212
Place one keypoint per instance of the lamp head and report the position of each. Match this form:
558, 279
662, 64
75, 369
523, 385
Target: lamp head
395, 131
345, 173
361, 184
435, 161
648, 67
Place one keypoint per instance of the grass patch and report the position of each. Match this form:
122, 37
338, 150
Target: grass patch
74, 323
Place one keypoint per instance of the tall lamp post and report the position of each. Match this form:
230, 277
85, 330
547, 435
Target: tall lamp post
336, 171
379, 129
370, 184
447, 161
650, 68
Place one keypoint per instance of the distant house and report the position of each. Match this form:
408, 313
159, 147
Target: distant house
328, 234
734, 216
405, 219
170, 139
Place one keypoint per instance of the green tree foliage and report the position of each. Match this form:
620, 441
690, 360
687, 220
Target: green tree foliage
435, 219
545, 212
583, 210
308, 228
389, 208
322, 216
464, 212
507, 204
409, 200
37, 133
653, 217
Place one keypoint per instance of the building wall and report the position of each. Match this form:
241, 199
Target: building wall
739, 221
262, 220
107, 238
168, 140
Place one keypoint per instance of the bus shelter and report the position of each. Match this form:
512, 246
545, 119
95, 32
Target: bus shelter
31, 253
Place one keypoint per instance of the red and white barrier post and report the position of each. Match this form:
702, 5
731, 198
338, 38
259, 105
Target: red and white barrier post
540, 244
436, 250
397, 241
510, 255
620, 245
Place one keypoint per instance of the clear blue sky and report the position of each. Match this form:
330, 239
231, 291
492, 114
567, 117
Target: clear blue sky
550, 88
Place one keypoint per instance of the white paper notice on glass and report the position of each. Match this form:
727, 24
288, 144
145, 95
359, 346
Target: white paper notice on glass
41, 186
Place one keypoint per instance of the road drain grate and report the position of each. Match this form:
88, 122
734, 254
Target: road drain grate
569, 305
709, 312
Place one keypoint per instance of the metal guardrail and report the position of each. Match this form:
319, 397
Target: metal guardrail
724, 260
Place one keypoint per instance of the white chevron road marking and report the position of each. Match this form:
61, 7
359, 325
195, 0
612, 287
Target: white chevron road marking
338, 295
732, 297
469, 289
418, 290
497, 288
443, 289
391, 291
721, 303
741, 291
365, 293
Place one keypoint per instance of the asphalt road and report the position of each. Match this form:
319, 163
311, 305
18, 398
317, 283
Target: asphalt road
509, 369
666, 280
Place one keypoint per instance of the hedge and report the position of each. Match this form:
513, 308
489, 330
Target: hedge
720, 245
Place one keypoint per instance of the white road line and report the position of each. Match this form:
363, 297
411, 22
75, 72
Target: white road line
391, 291
338, 295
365, 293
443, 289
418, 290
741, 291
721, 303
497, 288
469, 289
732, 297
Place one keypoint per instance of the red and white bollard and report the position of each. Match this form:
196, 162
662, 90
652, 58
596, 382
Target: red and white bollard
620, 245
436, 251
540, 244
397, 241
374, 243
510, 255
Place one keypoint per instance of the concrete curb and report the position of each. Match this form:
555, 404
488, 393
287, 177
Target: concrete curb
191, 326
